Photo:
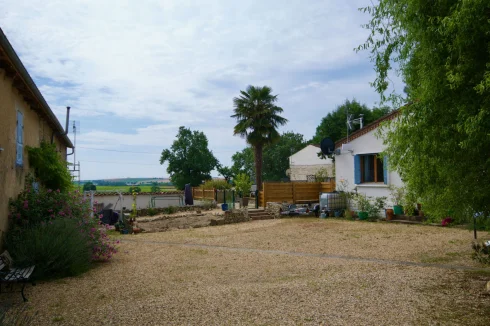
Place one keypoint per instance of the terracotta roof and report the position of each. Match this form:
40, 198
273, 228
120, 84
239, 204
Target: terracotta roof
367, 128
10, 62
141, 193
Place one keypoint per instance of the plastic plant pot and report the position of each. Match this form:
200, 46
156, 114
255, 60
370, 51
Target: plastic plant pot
398, 209
363, 215
224, 207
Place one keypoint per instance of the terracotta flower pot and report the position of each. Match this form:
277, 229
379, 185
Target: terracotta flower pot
390, 213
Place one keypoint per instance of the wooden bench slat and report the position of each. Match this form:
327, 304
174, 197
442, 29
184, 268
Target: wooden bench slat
19, 274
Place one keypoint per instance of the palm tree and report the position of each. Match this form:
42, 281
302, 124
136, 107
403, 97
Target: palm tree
257, 119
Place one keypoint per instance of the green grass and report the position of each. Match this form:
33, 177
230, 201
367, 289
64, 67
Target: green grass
146, 188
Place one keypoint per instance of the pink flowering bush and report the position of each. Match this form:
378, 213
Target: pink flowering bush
40, 214
447, 221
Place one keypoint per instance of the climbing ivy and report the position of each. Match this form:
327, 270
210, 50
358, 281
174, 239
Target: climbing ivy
49, 167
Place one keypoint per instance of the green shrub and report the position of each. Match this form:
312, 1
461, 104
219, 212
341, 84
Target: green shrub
243, 184
482, 223
33, 207
170, 210
216, 184
208, 205
370, 205
152, 211
49, 167
58, 248
135, 189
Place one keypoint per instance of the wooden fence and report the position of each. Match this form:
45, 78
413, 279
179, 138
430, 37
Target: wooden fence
199, 193
293, 192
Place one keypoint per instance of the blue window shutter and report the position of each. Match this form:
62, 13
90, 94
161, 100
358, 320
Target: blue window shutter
19, 159
357, 169
385, 169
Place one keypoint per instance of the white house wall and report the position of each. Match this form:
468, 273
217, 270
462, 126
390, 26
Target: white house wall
308, 156
306, 162
344, 167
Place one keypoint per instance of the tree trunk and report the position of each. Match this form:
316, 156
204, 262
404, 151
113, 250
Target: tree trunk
258, 165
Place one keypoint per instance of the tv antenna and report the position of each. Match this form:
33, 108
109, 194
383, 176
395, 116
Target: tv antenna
76, 166
351, 122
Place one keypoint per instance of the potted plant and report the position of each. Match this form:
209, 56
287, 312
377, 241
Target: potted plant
363, 205
397, 194
375, 207
243, 186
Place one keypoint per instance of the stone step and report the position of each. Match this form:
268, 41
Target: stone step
261, 217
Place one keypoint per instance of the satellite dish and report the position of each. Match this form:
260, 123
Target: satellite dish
327, 146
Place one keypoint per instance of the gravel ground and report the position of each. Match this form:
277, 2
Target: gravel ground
187, 277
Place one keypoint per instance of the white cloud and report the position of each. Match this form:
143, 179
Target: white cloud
164, 64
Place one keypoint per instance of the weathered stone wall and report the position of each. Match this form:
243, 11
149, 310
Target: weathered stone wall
167, 210
300, 172
274, 209
233, 216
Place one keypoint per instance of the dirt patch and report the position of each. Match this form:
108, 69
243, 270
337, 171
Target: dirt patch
183, 220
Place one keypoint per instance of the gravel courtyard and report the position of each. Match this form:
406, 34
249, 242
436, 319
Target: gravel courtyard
278, 272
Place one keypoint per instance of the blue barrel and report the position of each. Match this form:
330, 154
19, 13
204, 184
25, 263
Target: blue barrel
224, 207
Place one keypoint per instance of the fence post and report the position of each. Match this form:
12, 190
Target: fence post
264, 185
256, 198
92, 203
293, 190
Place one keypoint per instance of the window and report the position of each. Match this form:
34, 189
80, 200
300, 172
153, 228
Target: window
19, 158
370, 168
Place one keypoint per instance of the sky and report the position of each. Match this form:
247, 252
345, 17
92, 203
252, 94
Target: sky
134, 71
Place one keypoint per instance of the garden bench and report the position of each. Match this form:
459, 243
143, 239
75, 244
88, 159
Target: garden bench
11, 276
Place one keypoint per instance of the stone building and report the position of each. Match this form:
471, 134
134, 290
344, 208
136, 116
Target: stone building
303, 165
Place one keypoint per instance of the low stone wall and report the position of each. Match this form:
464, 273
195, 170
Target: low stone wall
170, 210
233, 216
274, 209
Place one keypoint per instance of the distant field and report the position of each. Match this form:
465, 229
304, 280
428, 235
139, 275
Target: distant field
126, 188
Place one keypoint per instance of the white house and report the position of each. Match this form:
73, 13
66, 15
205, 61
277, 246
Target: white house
359, 165
303, 165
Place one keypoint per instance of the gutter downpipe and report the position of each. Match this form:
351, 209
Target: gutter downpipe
66, 128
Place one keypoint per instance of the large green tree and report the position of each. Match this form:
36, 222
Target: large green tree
189, 159
440, 144
89, 186
276, 156
258, 118
225, 171
243, 162
334, 124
